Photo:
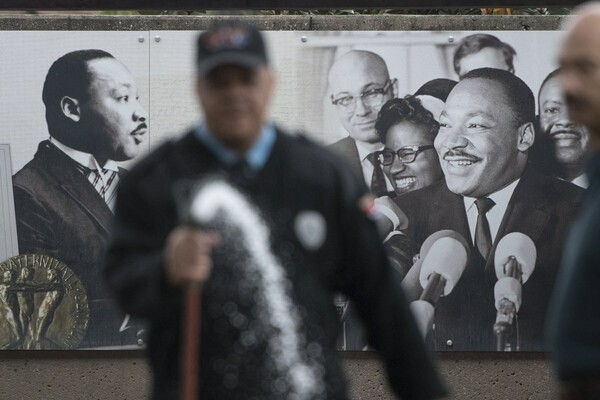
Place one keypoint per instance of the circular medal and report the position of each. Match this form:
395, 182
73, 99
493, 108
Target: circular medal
43, 304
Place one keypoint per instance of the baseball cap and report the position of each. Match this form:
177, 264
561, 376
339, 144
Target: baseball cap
230, 43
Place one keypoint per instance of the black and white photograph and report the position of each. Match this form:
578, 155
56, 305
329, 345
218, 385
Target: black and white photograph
74, 113
462, 138
467, 134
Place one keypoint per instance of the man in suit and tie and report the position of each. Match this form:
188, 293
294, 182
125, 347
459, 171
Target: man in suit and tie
65, 195
359, 85
486, 131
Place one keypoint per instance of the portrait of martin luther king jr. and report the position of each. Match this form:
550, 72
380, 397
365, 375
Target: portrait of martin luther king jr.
65, 195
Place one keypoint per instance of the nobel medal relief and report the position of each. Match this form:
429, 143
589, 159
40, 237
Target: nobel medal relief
43, 304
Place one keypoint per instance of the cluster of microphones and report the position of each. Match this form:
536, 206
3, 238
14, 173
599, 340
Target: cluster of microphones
441, 262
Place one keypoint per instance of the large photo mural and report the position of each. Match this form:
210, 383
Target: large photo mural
462, 138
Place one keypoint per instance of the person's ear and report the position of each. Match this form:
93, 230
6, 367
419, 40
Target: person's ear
70, 108
394, 88
526, 136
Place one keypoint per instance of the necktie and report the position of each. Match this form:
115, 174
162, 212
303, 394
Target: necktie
483, 236
378, 185
105, 182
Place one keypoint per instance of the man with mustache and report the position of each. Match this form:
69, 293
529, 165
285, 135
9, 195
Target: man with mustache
486, 131
65, 195
563, 143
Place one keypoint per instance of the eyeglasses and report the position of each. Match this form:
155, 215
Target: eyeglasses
370, 98
406, 154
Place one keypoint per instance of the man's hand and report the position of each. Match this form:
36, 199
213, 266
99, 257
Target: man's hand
188, 256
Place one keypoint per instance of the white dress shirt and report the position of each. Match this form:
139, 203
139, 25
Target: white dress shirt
581, 181
89, 161
85, 159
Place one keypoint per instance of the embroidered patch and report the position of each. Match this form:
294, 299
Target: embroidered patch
311, 229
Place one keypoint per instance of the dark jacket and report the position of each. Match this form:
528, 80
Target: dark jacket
540, 207
60, 214
347, 149
574, 315
298, 176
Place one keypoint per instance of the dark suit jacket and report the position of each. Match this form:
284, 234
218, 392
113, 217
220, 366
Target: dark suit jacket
541, 208
346, 148
60, 214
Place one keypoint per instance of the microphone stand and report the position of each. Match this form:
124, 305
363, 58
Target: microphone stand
503, 325
507, 310
341, 307
434, 289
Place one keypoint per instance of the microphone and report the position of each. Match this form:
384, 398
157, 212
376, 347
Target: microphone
341, 307
514, 262
442, 261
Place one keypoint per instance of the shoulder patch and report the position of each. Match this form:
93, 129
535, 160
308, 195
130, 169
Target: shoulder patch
311, 229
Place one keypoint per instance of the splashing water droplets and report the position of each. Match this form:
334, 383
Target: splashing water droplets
218, 199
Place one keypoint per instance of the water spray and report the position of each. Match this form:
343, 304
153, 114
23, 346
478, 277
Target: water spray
217, 202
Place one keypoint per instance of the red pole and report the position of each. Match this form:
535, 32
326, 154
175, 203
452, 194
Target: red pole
190, 346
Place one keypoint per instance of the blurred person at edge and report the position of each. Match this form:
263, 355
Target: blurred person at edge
152, 258
574, 315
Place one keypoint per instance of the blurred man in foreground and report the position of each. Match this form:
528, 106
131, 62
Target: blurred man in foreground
319, 234
574, 325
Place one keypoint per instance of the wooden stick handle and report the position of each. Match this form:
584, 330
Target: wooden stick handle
190, 346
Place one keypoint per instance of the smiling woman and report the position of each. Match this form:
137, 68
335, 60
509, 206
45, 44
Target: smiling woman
408, 129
